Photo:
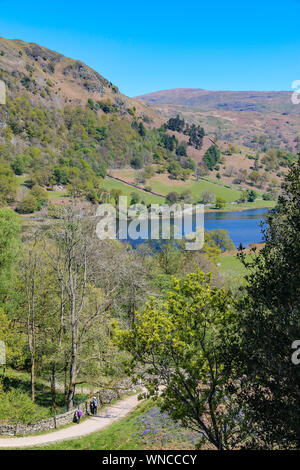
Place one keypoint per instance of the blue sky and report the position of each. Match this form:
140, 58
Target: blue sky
149, 46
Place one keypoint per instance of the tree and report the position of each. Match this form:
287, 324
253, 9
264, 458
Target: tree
142, 129
181, 149
252, 195
220, 202
212, 156
28, 204
187, 196
172, 197
219, 238
8, 184
254, 177
207, 197
178, 346
9, 249
135, 198
270, 324
243, 196
40, 195
34, 284
175, 124
88, 279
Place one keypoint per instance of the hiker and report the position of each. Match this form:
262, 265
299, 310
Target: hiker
92, 407
95, 405
78, 414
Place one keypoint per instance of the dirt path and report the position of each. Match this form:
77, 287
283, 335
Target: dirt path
96, 423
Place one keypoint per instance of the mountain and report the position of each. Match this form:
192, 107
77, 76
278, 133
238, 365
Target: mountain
259, 120
257, 101
50, 78
64, 125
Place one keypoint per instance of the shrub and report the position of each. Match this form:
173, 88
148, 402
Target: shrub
27, 205
17, 407
220, 202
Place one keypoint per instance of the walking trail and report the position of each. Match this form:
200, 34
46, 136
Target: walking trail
96, 423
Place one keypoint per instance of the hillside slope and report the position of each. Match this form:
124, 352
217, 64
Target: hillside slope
258, 101
257, 120
51, 79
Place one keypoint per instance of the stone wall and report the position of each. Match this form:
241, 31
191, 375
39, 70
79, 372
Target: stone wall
104, 396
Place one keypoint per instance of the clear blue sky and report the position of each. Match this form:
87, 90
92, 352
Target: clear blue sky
148, 46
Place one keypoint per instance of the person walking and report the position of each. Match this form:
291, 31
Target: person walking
95, 405
92, 406
78, 414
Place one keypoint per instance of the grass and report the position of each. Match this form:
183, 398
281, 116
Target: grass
121, 435
146, 427
230, 266
232, 269
249, 205
148, 198
196, 188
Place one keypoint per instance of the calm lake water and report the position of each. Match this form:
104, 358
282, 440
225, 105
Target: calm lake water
243, 226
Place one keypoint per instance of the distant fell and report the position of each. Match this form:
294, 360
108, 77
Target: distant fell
257, 101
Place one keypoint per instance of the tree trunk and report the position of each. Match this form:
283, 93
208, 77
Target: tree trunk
32, 378
72, 385
53, 386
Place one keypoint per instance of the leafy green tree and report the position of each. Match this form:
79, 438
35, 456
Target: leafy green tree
28, 204
270, 324
175, 124
178, 346
244, 196
172, 197
40, 195
9, 248
220, 202
17, 407
252, 195
8, 184
212, 156
219, 238
135, 198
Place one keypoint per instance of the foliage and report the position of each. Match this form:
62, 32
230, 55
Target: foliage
212, 157
270, 308
220, 202
16, 407
28, 204
179, 346
9, 249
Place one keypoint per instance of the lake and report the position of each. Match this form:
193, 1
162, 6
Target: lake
243, 226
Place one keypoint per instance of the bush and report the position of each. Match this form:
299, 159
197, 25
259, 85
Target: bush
27, 205
17, 407
172, 197
220, 202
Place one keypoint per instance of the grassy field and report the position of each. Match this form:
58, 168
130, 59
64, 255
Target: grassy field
196, 188
244, 206
148, 198
161, 184
232, 269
